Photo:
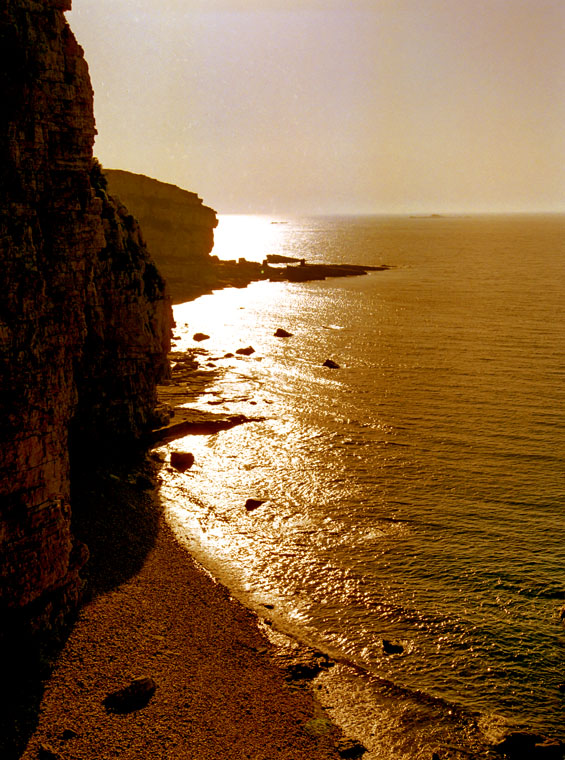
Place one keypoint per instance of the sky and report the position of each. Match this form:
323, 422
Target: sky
334, 106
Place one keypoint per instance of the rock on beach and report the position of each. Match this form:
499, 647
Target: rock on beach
132, 697
182, 460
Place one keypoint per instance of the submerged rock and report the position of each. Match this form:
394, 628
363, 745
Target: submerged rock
331, 364
526, 745
280, 333
392, 647
305, 664
318, 726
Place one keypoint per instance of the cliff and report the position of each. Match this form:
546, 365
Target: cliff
178, 227
84, 317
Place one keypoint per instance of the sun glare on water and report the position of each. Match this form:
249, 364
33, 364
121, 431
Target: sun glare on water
248, 236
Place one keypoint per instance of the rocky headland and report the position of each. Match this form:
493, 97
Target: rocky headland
179, 231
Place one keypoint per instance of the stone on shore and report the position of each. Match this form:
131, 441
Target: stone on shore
245, 351
252, 504
182, 460
200, 336
132, 697
351, 749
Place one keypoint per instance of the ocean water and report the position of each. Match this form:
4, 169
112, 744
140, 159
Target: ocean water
416, 494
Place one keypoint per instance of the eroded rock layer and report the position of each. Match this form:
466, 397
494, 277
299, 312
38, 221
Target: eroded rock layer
84, 317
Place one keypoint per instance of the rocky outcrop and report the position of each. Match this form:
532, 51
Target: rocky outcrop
84, 318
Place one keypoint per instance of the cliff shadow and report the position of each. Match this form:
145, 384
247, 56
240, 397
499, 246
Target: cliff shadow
116, 512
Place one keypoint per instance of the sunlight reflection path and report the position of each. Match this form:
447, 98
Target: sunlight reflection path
250, 237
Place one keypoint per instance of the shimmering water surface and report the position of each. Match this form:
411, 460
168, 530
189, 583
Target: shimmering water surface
415, 494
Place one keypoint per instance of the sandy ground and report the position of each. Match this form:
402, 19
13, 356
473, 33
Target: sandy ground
223, 688
220, 689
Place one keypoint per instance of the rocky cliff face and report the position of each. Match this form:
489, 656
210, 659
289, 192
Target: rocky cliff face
178, 227
84, 318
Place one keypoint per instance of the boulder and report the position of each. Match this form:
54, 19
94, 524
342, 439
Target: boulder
245, 351
349, 748
305, 664
526, 745
132, 697
331, 364
391, 647
200, 336
252, 504
280, 333
181, 460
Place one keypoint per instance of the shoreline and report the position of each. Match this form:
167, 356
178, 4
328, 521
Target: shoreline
223, 687
448, 746
167, 618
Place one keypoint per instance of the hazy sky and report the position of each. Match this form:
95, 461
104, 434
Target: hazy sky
314, 106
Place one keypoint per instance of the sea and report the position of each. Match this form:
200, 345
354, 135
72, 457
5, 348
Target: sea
414, 495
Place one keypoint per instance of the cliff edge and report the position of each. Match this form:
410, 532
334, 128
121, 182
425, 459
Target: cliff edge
84, 316
178, 227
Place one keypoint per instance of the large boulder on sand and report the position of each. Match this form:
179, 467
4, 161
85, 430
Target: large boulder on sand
182, 460
132, 697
